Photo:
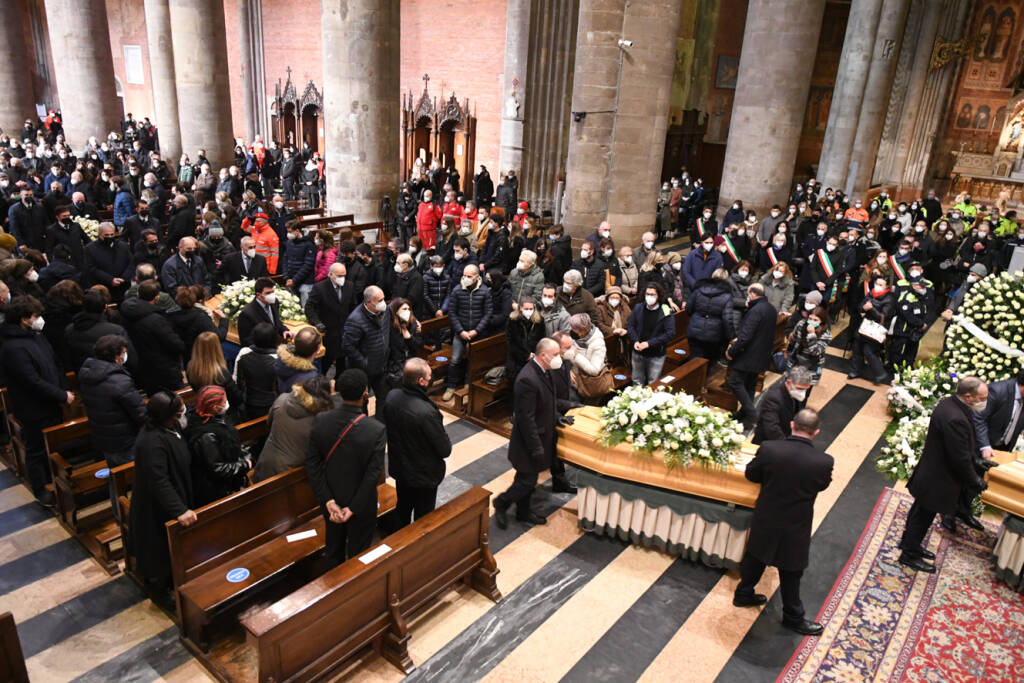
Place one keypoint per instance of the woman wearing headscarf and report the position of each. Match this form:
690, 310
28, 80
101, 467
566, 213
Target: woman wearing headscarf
219, 461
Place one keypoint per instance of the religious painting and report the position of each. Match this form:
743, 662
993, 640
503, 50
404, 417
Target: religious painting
727, 72
982, 117
1003, 36
986, 30
964, 119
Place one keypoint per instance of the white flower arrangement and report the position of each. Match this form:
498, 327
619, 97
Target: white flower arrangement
237, 296
683, 429
996, 306
903, 447
90, 227
916, 391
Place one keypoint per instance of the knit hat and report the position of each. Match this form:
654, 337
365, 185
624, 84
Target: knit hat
216, 230
813, 298
209, 399
979, 269
8, 242
614, 289
719, 240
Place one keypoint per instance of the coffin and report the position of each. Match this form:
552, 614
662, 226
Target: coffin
1006, 483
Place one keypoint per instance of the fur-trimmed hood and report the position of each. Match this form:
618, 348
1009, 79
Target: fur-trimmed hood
286, 354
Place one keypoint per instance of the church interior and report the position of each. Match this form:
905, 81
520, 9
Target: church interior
600, 109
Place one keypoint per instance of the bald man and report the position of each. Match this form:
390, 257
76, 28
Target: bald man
185, 268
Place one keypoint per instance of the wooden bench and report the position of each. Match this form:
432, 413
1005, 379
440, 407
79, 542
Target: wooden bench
246, 530
483, 355
122, 477
689, 377
14, 454
12, 659
439, 357
321, 222
310, 633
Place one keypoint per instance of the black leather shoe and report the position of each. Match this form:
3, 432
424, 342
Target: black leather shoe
562, 486
804, 627
532, 517
755, 600
46, 500
949, 524
501, 517
971, 521
916, 563
919, 552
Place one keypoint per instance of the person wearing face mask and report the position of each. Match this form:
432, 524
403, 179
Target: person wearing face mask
769, 226
161, 491
703, 225
626, 272
946, 468
808, 343
35, 385
612, 314
967, 208
914, 303
185, 268
712, 322
778, 288
574, 297
470, 306
702, 261
1014, 239
651, 326
27, 221
749, 353
675, 200
646, 248
299, 261
267, 243
550, 306
777, 251
527, 279
406, 208
428, 216
329, 305
525, 330
978, 247
219, 460
735, 214
779, 405
591, 268
436, 287
531, 448
817, 259
108, 261
664, 223
878, 305
142, 220
461, 256
956, 221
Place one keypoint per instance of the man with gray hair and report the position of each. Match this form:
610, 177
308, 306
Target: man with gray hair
527, 280
574, 296
780, 403
946, 468
80, 207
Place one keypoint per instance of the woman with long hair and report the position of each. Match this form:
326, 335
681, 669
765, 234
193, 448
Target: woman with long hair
326, 254
207, 366
405, 341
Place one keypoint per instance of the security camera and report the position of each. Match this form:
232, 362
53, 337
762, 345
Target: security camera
623, 43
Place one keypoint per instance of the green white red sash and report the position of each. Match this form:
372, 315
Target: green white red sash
731, 249
700, 227
897, 268
826, 263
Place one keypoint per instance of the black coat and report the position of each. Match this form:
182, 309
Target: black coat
252, 315
523, 337
218, 462
710, 309
35, 385
175, 273
161, 490
257, 380
401, 349
114, 406
409, 286
991, 424
155, 258
105, 262
134, 226
417, 440
366, 339
791, 472
299, 260
28, 224
72, 236
752, 350
157, 344
85, 330
189, 323
181, 224
232, 268
947, 462
531, 447
775, 411
350, 476
328, 313
470, 310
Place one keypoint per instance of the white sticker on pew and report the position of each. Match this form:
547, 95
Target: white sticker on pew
668, 379
310, 533
379, 551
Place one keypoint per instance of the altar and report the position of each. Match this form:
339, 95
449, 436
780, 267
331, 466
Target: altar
697, 513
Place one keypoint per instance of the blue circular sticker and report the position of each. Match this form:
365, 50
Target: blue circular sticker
620, 377
103, 474
681, 352
441, 359
237, 575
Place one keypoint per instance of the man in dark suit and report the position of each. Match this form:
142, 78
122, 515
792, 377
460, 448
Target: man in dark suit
344, 459
108, 262
244, 264
330, 302
750, 352
780, 403
946, 468
142, 220
791, 472
186, 268
531, 447
264, 308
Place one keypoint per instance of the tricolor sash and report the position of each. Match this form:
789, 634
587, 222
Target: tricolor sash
771, 256
700, 227
826, 263
731, 249
897, 268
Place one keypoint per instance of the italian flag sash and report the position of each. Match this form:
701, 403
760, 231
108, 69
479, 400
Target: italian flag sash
897, 268
771, 257
826, 263
700, 227
731, 249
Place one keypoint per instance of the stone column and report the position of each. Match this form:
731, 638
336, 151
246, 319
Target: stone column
201, 73
254, 88
84, 69
849, 89
361, 103
16, 105
161, 75
876, 95
622, 94
514, 85
779, 43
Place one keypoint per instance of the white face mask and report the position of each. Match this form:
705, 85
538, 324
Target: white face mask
527, 312
950, 235
291, 236
903, 252
979, 407
651, 300
648, 245
547, 302
810, 306
467, 282
226, 408
38, 323
743, 273
521, 267
707, 247
821, 233
830, 247
880, 260
398, 268
278, 205
777, 274
270, 299
567, 288
607, 253
915, 274
555, 363
437, 271
677, 266
33, 276
628, 260
404, 315
798, 394
464, 231
251, 253
338, 281
972, 278
124, 357
584, 254
780, 244
614, 301
381, 306
459, 255
412, 250
606, 233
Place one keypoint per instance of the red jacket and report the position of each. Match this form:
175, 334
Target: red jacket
455, 210
427, 217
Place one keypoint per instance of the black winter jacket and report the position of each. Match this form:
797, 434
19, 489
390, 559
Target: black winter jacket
257, 379
755, 337
157, 343
417, 440
470, 309
115, 407
218, 461
85, 330
710, 309
35, 385
299, 260
365, 340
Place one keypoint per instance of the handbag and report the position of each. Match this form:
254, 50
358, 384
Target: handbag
595, 386
780, 362
872, 330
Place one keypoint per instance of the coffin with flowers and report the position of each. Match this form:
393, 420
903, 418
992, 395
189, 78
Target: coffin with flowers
237, 295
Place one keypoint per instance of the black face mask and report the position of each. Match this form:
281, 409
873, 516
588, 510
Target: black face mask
153, 247
143, 212
108, 241
189, 254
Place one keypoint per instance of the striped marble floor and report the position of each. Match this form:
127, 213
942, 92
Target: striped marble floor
576, 607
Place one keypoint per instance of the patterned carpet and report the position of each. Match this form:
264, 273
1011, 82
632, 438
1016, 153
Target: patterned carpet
884, 622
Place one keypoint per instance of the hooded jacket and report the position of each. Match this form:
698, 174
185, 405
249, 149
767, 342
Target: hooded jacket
156, 341
85, 330
115, 407
290, 420
291, 369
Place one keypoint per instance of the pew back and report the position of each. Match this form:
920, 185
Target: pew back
12, 659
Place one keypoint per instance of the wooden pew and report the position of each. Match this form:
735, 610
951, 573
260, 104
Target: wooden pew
327, 223
485, 354
246, 530
438, 358
310, 633
12, 659
689, 377
616, 360
14, 454
122, 477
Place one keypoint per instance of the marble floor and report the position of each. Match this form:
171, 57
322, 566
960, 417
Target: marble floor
576, 607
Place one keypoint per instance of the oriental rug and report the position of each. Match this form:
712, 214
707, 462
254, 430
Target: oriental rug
884, 622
